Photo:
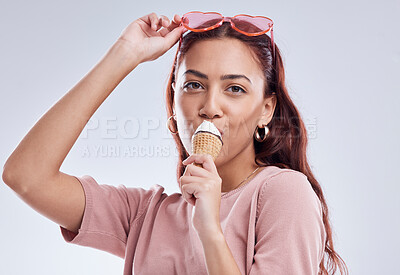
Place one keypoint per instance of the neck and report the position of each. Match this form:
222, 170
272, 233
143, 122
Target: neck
237, 169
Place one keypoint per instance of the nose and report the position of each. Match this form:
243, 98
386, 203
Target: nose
210, 106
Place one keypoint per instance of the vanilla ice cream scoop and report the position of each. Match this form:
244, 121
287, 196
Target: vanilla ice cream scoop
207, 140
207, 126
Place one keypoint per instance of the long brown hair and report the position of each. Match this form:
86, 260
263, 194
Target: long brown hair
285, 145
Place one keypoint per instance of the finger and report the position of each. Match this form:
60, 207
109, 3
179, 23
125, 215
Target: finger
176, 20
153, 21
192, 189
147, 19
193, 170
191, 179
205, 159
189, 198
173, 36
165, 31
164, 21
167, 26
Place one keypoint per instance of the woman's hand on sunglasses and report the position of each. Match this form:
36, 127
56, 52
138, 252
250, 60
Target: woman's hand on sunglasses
151, 36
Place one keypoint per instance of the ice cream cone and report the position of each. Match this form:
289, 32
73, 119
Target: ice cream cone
207, 140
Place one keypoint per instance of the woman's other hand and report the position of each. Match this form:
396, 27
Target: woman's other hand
151, 35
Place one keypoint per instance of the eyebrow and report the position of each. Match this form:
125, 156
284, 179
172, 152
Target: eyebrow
225, 76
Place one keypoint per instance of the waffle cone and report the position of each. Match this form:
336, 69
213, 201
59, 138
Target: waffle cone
206, 143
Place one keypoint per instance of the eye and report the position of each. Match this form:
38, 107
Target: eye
196, 85
237, 89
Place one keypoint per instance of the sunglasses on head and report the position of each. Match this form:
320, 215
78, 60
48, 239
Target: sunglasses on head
198, 21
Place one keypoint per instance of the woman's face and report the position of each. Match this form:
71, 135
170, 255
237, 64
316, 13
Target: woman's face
219, 81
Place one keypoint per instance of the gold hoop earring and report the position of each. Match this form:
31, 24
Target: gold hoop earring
167, 124
257, 135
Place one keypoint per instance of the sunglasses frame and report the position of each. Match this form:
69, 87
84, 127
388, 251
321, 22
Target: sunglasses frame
229, 19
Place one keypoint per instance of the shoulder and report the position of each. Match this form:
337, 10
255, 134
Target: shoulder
288, 189
283, 181
286, 180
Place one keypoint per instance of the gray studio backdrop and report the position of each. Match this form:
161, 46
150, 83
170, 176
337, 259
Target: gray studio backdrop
342, 65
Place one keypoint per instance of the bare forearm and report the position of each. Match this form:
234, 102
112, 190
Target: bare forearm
42, 151
219, 258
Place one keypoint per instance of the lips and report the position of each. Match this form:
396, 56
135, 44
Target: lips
219, 129
222, 132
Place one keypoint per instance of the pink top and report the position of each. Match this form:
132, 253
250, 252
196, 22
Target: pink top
272, 224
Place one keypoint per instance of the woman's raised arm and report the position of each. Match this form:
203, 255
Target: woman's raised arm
32, 170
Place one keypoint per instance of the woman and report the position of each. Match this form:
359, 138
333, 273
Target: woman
256, 210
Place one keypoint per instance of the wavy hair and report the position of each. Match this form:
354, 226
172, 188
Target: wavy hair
285, 145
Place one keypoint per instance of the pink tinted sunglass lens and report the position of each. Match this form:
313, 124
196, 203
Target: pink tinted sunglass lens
252, 24
201, 20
